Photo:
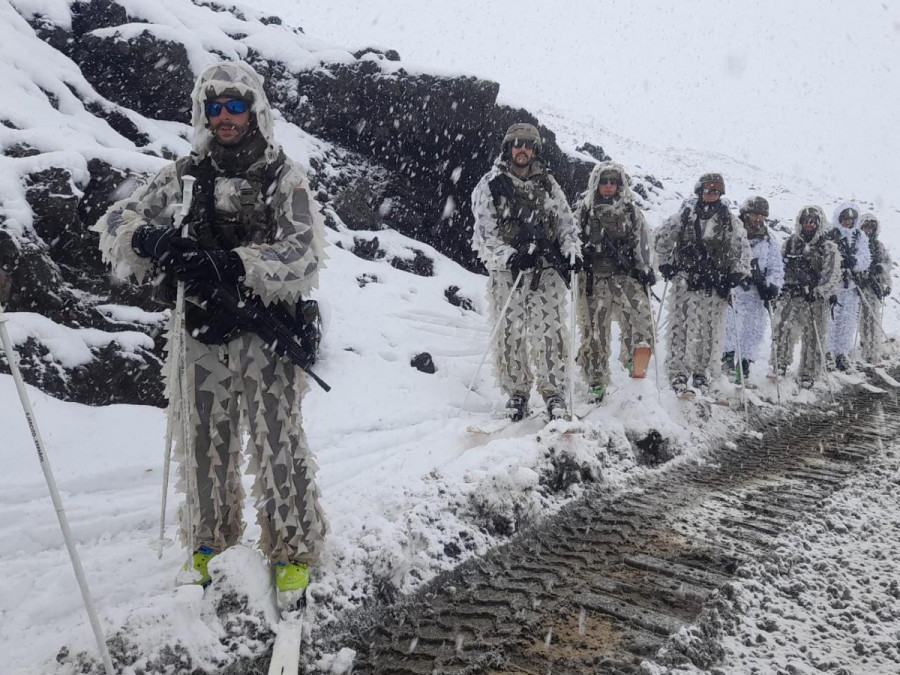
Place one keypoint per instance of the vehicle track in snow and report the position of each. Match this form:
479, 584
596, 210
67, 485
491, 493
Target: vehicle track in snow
603, 584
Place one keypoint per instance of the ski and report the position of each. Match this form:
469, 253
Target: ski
286, 649
495, 426
883, 374
871, 388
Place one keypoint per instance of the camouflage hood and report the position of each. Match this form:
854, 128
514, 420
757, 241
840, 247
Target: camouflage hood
835, 220
871, 217
625, 193
824, 225
239, 80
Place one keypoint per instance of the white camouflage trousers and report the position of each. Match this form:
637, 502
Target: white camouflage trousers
228, 383
695, 330
617, 297
794, 319
842, 329
532, 343
745, 322
870, 331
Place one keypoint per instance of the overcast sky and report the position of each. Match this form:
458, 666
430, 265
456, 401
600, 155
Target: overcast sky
808, 87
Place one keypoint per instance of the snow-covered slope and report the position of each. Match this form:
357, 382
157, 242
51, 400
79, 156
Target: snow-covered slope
408, 490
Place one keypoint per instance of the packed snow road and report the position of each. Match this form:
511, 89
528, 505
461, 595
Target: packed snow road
641, 578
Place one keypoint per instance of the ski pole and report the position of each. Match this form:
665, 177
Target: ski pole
737, 351
812, 316
573, 293
655, 347
491, 339
662, 302
54, 495
774, 351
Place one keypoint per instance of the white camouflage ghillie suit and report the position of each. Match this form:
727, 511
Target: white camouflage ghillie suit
703, 250
853, 245
745, 322
618, 262
812, 272
512, 216
257, 203
875, 286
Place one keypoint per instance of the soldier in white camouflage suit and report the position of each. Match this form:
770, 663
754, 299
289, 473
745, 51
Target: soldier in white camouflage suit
875, 286
618, 270
853, 245
255, 227
812, 272
745, 321
703, 251
523, 224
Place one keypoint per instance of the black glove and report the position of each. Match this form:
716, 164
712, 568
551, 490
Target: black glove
153, 242
520, 262
768, 292
851, 262
202, 265
885, 292
577, 266
647, 278
667, 271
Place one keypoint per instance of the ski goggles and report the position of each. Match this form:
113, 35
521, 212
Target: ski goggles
713, 191
809, 221
235, 107
522, 143
609, 181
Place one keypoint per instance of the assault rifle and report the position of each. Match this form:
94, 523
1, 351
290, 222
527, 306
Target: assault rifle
250, 312
533, 230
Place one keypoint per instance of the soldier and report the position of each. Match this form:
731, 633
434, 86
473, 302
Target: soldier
812, 272
745, 322
526, 236
874, 287
703, 251
255, 228
618, 270
853, 245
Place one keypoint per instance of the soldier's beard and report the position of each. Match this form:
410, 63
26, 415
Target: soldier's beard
241, 134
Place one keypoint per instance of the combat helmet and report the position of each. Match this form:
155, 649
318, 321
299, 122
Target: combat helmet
710, 180
521, 131
757, 205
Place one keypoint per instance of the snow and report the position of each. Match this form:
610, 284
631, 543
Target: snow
404, 482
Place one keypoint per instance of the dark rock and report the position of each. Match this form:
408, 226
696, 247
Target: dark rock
453, 297
88, 16
638, 188
423, 363
102, 190
653, 449
389, 55
357, 206
271, 20
421, 264
594, 151
21, 150
364, 279
146, 74
119, 122
368, 249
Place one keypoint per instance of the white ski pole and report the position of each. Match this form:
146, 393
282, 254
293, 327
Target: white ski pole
655, 347
54, 495
812, 316
774, 352
175, 390
662, 302
491, 340
737, 351
573, 297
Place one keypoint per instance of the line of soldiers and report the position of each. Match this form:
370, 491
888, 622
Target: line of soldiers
725, 272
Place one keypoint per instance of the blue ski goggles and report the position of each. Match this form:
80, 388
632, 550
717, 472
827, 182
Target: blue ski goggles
235, 107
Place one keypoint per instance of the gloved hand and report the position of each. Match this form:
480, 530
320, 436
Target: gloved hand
851, 262
667, 271
152, 242
832, 300
768, 292
647, 278
202, 265
576, 266
520, 262
885, 291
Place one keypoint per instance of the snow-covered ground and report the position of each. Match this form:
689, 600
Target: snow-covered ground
408, 490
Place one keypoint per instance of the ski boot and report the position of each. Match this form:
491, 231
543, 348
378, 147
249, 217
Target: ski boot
700, 382
556, 407
517, 407
291, 580
841, 363
728, 364
806, 383
597, 392
198, 573
829, 362
679, 384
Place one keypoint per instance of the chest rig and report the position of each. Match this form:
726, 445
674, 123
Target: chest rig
522, 208
609, 234
848, 251
705, 261
803, 265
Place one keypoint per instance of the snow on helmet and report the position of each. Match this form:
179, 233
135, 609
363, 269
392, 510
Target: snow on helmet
710, 180
757, 205
522, 131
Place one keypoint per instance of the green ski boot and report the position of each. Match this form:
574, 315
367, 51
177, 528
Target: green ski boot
198, 573
291, 580
597, 392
